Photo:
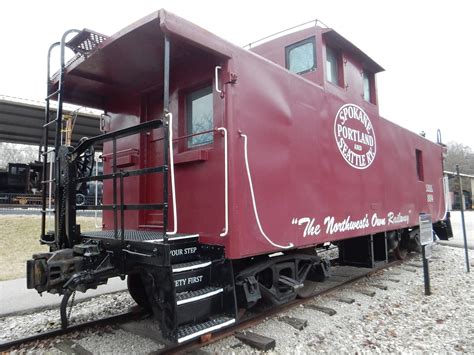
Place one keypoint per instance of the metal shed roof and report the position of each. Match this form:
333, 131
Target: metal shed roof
21, 121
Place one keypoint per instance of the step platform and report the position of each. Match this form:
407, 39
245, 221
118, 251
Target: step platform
137, 236
187, 333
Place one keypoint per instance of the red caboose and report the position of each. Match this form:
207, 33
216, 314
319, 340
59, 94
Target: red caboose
216, 156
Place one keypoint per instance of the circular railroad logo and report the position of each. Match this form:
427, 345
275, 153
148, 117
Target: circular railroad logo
355, 136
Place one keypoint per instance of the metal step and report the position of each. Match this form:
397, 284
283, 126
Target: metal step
137, 235
192, 296
193, 265
186, 333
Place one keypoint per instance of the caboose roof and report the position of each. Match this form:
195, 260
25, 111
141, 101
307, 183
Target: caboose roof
131, 61
336, 41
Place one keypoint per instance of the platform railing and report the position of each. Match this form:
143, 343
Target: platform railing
117, 176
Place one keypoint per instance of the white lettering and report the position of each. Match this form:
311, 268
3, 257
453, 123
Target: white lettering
333, 226
376, 221
361, 153
194, 279
399, 218
176, 252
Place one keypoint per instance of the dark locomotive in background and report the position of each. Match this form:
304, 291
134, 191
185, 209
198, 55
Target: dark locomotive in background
226, 170
21, 185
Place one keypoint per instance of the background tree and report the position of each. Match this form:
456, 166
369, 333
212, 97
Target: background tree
462, 155
17, 153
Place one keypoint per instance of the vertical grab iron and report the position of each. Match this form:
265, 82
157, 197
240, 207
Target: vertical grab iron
166, 127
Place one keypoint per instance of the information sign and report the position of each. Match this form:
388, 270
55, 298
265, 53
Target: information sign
426, 229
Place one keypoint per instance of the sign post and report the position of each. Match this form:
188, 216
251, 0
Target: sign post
461, 195
426, 240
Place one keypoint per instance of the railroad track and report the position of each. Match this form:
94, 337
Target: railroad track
135, 313
342, 276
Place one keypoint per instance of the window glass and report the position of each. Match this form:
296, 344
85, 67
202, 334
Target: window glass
332, 66
300, 56
367, 87
199, 112
419, 165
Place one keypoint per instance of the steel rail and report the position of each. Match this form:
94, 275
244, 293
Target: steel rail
122, 317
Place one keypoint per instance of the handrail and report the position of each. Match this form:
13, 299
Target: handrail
45, 145
315, 21
290, 245
216, 74
157, 169
226, 183
81, 148
173, 189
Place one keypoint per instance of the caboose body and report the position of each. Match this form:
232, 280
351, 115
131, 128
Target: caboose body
222, 156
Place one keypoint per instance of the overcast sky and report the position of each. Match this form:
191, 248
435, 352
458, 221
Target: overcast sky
426, 47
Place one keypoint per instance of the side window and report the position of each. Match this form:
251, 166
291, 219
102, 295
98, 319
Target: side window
419, 165
333, 66
199, 116
369, 87
301, 56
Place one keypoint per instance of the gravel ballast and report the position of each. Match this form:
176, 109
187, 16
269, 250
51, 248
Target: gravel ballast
398, 319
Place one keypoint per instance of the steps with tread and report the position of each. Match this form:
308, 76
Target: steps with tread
191, 296
186, 333
192, 265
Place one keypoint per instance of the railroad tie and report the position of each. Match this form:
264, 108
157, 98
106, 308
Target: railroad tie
69, 347
409, 268
366, 292
328, 311
417, 265
380, 287
256, 341
296, 323
146, 329
343, 299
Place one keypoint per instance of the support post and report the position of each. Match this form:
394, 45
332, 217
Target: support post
426, 240
426, 271
461, 195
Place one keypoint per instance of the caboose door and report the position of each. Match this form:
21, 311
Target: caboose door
198, 146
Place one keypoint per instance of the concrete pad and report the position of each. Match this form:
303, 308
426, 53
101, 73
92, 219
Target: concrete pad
458, 237
15, 298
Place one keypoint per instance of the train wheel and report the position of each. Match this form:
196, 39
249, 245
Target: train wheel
309, 289
414, 243
137, 290
400, 252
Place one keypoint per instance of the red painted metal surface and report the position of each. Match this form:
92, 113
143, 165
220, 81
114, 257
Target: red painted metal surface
298, 130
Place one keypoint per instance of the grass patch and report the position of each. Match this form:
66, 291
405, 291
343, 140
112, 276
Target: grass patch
19, 240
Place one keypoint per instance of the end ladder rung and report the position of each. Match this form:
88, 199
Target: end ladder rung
48, 210
48, 181
52, 94
47, 124
47, 152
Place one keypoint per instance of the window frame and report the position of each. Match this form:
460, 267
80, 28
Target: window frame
292, 46
419, 165
340, 70
190, 96
371, 80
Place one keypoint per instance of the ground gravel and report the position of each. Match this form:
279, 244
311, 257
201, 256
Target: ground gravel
399, 319
14, 327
